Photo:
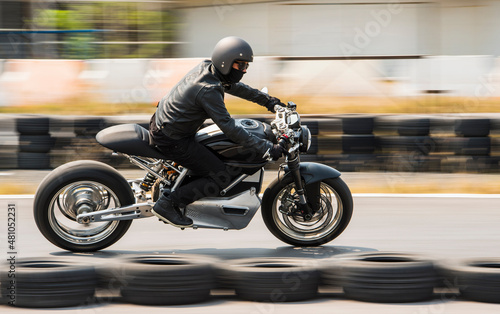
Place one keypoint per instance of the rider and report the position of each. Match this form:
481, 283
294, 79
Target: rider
180, 113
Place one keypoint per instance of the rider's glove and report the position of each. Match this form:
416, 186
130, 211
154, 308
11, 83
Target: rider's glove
273, 101
276, 152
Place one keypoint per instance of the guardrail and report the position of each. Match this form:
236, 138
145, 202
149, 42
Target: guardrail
407, 143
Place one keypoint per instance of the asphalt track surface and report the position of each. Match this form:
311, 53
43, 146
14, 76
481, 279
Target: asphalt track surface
442, 227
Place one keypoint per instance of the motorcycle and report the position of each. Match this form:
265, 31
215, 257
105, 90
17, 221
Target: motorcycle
86, 206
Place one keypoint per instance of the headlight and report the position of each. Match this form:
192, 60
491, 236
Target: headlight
305, 139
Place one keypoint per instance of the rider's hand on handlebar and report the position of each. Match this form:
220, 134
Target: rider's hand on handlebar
278, 150
272, 102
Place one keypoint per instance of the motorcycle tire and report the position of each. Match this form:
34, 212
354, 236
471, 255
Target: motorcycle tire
94, 183
49, 283
326, 224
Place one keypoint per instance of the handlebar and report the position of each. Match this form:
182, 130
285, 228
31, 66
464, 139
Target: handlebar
281, 106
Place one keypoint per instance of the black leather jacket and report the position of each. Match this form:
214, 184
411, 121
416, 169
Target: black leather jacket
199, 96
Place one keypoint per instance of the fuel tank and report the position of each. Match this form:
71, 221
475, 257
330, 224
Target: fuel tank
231, 152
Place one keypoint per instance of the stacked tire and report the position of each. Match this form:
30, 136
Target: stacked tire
329, 141
8, 143
475, 279
35, 142
358, 143
313, 126
164, 279
44, 283
61, 129
410, 149
472, 145
84, 143
383, 277
270, 279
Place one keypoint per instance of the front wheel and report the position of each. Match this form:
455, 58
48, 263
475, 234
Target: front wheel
72, 188
328, 221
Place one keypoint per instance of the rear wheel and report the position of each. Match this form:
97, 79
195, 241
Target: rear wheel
81, 186
328, 222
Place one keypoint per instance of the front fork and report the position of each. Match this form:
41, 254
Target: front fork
293, 162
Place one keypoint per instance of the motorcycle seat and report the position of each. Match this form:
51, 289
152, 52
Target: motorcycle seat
130, 139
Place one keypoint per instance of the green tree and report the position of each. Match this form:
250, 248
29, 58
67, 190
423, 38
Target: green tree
111, 29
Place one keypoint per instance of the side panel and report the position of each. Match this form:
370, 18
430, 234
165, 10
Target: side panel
224, 212
233, 211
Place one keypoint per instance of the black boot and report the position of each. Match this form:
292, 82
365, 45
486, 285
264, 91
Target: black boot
168, 212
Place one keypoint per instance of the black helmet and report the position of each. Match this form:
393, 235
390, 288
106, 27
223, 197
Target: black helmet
228, 50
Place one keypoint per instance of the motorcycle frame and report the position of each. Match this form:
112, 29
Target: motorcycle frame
233, 212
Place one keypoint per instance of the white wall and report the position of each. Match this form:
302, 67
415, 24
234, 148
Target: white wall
469, 27
348, 27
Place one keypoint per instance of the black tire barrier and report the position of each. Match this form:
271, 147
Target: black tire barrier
384, 277
35, 143
357, 125
423, 145
33, 160
328, 125
8, 149
33, 125
270, 279
312, 125
412, 162
8, 160
348, 162
166, 280
476, 279
414, 127
358, 144
410, 143
472, 127
49, 283
175, 279
472, 146
89, 126
444, 145
329, 144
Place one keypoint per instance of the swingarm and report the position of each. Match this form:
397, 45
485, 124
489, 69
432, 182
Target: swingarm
142, 210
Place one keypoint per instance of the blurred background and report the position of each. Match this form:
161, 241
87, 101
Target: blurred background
399, 86
334, 56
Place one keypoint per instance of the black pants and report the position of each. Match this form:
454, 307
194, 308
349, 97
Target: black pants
192, 155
